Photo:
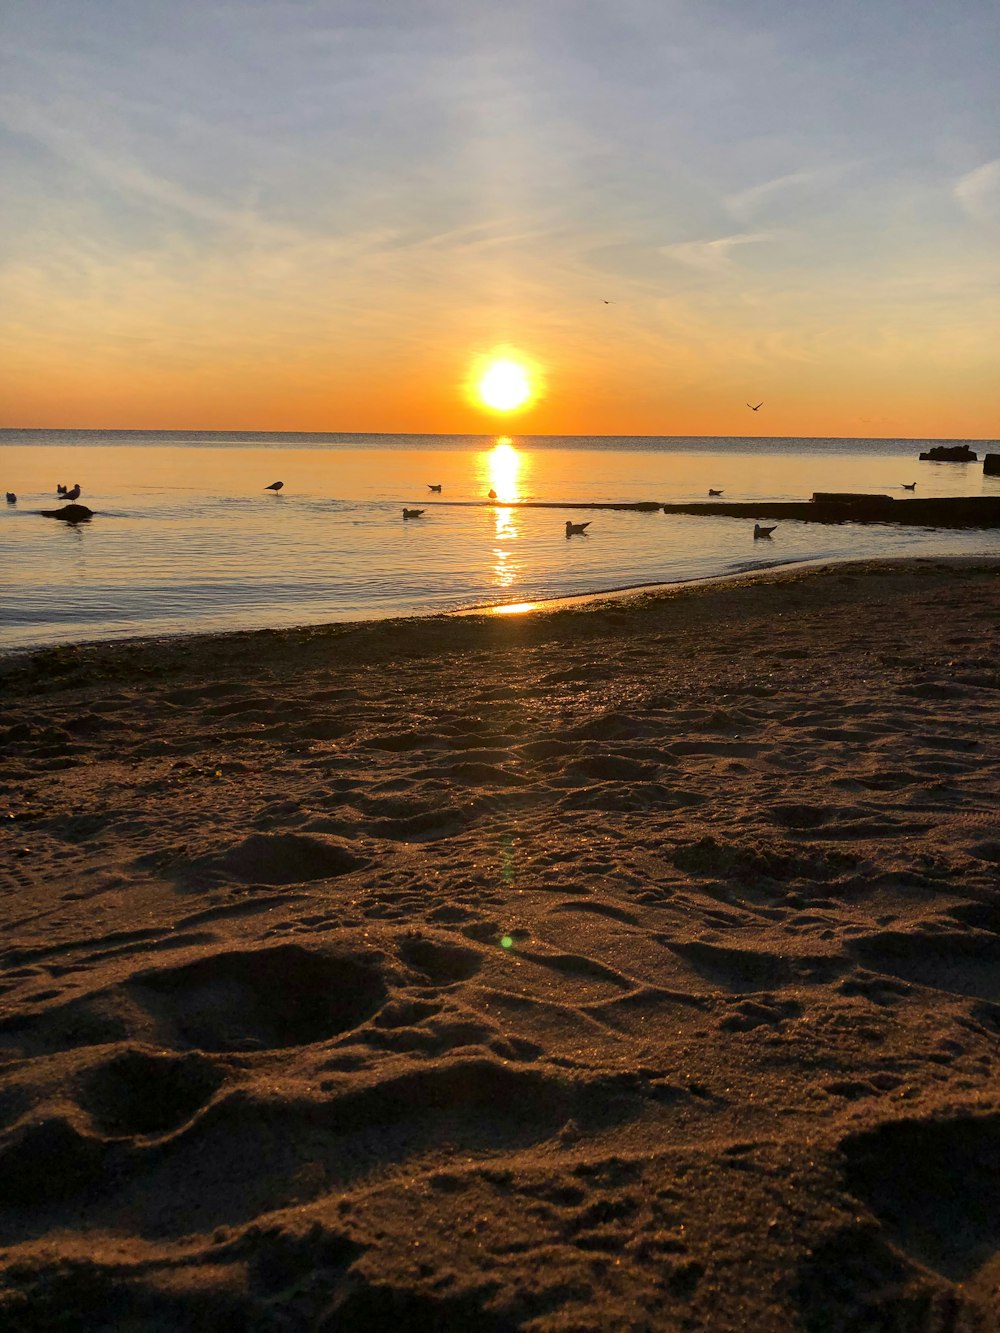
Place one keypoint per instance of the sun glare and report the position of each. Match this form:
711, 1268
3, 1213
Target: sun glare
503, 463
504, 386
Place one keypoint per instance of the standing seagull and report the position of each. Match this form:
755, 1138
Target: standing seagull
11, 498
912, 486
758, 531
577, 529
274, 486
493, 495
757, 408
74, 494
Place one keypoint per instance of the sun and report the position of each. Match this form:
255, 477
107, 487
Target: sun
504, 385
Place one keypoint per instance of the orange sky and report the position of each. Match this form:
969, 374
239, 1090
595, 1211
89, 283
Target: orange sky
332, 248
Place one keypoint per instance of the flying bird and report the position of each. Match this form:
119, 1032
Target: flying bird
758, 531
757, 408
912, 486
577, 529
74, 494
609, 302
434, 488
11, 498
274, 486
412, 513
711, 492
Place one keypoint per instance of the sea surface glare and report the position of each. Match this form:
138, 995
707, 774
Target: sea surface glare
187, 539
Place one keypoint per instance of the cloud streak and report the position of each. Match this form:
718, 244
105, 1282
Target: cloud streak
978, 192
715, 256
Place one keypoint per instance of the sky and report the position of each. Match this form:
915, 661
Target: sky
325, 214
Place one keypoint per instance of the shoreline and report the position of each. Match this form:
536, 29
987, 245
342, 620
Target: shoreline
631, 965
10, 658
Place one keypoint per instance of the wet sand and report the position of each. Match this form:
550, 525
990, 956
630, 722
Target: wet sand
633, 966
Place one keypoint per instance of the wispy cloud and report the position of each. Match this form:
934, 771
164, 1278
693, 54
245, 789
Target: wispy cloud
781, 191
716, 255
978, 192
117, 169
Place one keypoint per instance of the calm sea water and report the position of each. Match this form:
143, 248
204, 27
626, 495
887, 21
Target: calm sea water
186, 539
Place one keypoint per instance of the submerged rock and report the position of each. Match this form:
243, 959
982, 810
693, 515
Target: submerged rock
69, 513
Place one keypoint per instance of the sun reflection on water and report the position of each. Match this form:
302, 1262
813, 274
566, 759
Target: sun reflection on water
503, 466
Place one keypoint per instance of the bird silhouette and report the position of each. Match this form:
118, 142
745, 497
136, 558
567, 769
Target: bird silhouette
412, 513
11, 498
912, 486
757, 408
60, 489
274, 486
608, 302
758, 531
434, 488
492, 495
74, 494
577, 529
711, 492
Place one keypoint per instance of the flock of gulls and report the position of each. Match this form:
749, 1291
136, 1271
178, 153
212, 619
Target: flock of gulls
572, 529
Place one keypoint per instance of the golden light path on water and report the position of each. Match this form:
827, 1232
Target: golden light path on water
503, 466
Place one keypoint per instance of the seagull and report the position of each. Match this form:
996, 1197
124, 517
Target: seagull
711, 492
577, 529
74, 494
608, 302
412, 513
493, 495
11, 498
757, 408
434, 488
274, 486
758, 531
912, 486
60, 490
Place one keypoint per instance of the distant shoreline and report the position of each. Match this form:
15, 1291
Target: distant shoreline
511, 432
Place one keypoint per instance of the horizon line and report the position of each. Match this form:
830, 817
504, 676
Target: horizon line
220, 430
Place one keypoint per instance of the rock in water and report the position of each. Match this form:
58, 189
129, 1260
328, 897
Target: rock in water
949, 453
991, 465
69, 513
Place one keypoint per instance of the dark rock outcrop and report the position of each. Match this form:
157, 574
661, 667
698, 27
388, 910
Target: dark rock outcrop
949, 453
991, 465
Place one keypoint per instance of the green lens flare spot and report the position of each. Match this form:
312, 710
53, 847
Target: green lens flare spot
506, 942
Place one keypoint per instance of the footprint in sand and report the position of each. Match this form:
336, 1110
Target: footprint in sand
285, 858
934, 1187
441, 961
260, 999
146, 1092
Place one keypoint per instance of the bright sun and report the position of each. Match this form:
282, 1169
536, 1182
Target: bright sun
504, 386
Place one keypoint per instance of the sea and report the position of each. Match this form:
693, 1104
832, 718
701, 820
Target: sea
186, 539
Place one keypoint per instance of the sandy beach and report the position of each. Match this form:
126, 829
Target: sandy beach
634, 966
